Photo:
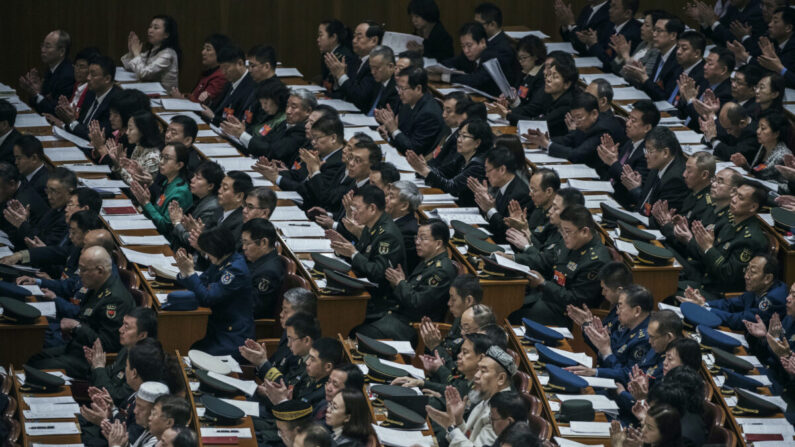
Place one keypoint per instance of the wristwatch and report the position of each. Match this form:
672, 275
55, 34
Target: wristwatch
450, 429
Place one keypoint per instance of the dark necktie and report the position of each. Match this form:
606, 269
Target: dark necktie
91, 111
377, 99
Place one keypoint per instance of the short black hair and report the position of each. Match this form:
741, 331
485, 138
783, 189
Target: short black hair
414, 57
7, 112
145, 320
65, 177
725, 58
264, 54
571, 196
355, 378
632, 5
106, 64
771, 265
564, 64
88, 197
417, 76
674, 25
549, 178
648, 111
374, 153
616, 274
29, 146
787, 15
9, 173
667, 322
86, 220
374, 29
439, 230
334, 27
304, 325
462, 100
330, 125
189, 127
534, 46
753, 73
148, 359
520, 433
218, 42
217, 241
372, 195
510, 404
241, 181
468, 285
428, 10
638, 295
480, 130
265, 196
174, 407
260, 228
662, 137
585, 101
329, 350
389, 173
502, 156
185, 437
695, 39
489, 12
316, 435
474, 30
603, 89
579, 216
212, 172
759, 196
231, 54
480, 342
476, 110
689, 351
275, 91
87, 54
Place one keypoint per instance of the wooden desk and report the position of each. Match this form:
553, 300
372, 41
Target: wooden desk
786, 253
20, 341
22, 406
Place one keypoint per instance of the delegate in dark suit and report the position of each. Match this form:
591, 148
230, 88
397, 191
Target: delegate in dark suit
670, 187
598, 21
502, 45
28, 197
359, 88
57, 83
630, 31
383, 95
550, 109
317, 189
235, 100
352, 62
580, 146
439, 44
750, 15
662, 84
419, 126
7, 147
476, 75
635, 159
91, 112
281, 143
38, 182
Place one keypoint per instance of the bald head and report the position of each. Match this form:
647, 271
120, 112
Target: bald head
100, 238
95, 267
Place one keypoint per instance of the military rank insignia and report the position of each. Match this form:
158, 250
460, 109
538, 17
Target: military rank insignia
263, 285
110, 311
226, 279
383, 248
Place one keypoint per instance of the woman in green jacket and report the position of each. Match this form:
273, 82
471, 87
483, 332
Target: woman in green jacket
173, 164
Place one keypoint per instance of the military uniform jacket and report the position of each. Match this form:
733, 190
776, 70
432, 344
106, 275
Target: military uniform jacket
652, 365
292, 367
694, 207
542, 257
226, 290
630, 348
746, 306
112, 378
575, 276
267, 274
310, 390
451, 345
379, 248
101, 315
610, 321
723, 264
540, 228
425, 291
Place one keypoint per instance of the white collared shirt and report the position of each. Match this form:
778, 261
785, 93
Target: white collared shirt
227, 213
503, 188
620, 27
3, 137
98, 101
690, 68
239, 80
30, 176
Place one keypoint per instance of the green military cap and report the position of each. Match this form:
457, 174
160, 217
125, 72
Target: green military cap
631, 232
575, 410
402, 395
461, 229
651, 254
292, 410
728, 360
207, 362
325, 263
19, 312
784, 220
219, 412
378, 372
480, 247
748, 403
369, 345
612, 215
37, 380
493, 269
341, 284
214, 386
399, 416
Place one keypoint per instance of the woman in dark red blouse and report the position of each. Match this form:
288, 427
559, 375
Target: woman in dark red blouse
212, 81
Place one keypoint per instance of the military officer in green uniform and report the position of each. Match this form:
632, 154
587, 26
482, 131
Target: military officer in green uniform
101, 314
698, 174
139, 324
544, 184
423, 293
723, 253
379, 247
575, 270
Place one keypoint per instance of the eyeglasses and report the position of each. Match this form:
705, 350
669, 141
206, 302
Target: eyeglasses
251, 207
463, 136
165, 158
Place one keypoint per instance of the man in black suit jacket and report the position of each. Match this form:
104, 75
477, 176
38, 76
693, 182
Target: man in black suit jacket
8, 134
593, 18
603, 92
358, 88
29, 161
12, 191
384, 92
580, 145
505, 187
51, 227
445, 153
689, 56
746, 12
743, 84
96, 105
237, 93
623, 22
419, 122
630, 155
738, 136
666, 165
231, 197
490, 16
402, 200
781, 30
661, 84
475, 51
59, 80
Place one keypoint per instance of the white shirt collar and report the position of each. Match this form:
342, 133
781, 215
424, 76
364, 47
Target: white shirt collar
236, 83
332, 153
783, 44
662, 171
104, 95
594, 9
690, 68
505, 186
621, 26
668, 54
30, 176
3, 137
361, 182
52, 70
495, 35
227, 213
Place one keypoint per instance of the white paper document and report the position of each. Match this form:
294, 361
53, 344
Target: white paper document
250, 408
308, 87
579, 357
88, 167
309, 245
561, 46
47, 309
523, 126
403, 347
143, 240
494, 70
33, 289
612, 79
471, 219
30, 120
131, 224
544, 158
629, 94
180, 104
393, 437
289, 195
519, 34
286, 72
600, 382
351, 131
575, 171
235, 163
339, 105
166, 116
55, 400
46, 138
563, 442
288, 213
626, 247
68, 153
150, 88
103, 183
247, 386
580, 428
413, 371
123, 75
217, 149
688, 136
302, 229
583, 62
358, 120
51, 428
66, 411
591, 185
600, 402
211, 432
438, 198
398, 42
74, 139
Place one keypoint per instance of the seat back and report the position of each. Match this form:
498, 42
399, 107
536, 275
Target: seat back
141, 298
540, 426
772, 244
713, 415
129, 279
459, 267
534, 405
522, 382
721, 436
289, 264
11, 408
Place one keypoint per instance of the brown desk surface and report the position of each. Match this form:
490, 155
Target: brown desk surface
22, 405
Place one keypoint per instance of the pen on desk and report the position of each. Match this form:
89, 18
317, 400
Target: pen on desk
42, 427
300, 225
225, 431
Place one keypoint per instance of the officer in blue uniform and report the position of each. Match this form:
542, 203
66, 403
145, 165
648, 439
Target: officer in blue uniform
258, 240
225, 287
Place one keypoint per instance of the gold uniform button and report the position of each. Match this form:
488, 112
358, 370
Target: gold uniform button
229, 329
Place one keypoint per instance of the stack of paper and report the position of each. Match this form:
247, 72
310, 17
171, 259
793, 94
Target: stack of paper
143, 240
65, 411
583, 62
74, 139
575, 171
591, 185
149, 88
288, 73
600, 402
413, 371
235, 163
103, 183
544, 158
212, 432
166, 116
358, 120
309, 245
31, 120
560, 46
351, 131
123, 75
290, 213
524, 125
471, 219
47, 308
180, 104
68, 153
579, 357
399, 41
609, 77
300, 229
51, 428
402, 347
131, 224
247, 386
339, 105
519, 34
88, 167
580, 428
393, 437
308, 87
629, 94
